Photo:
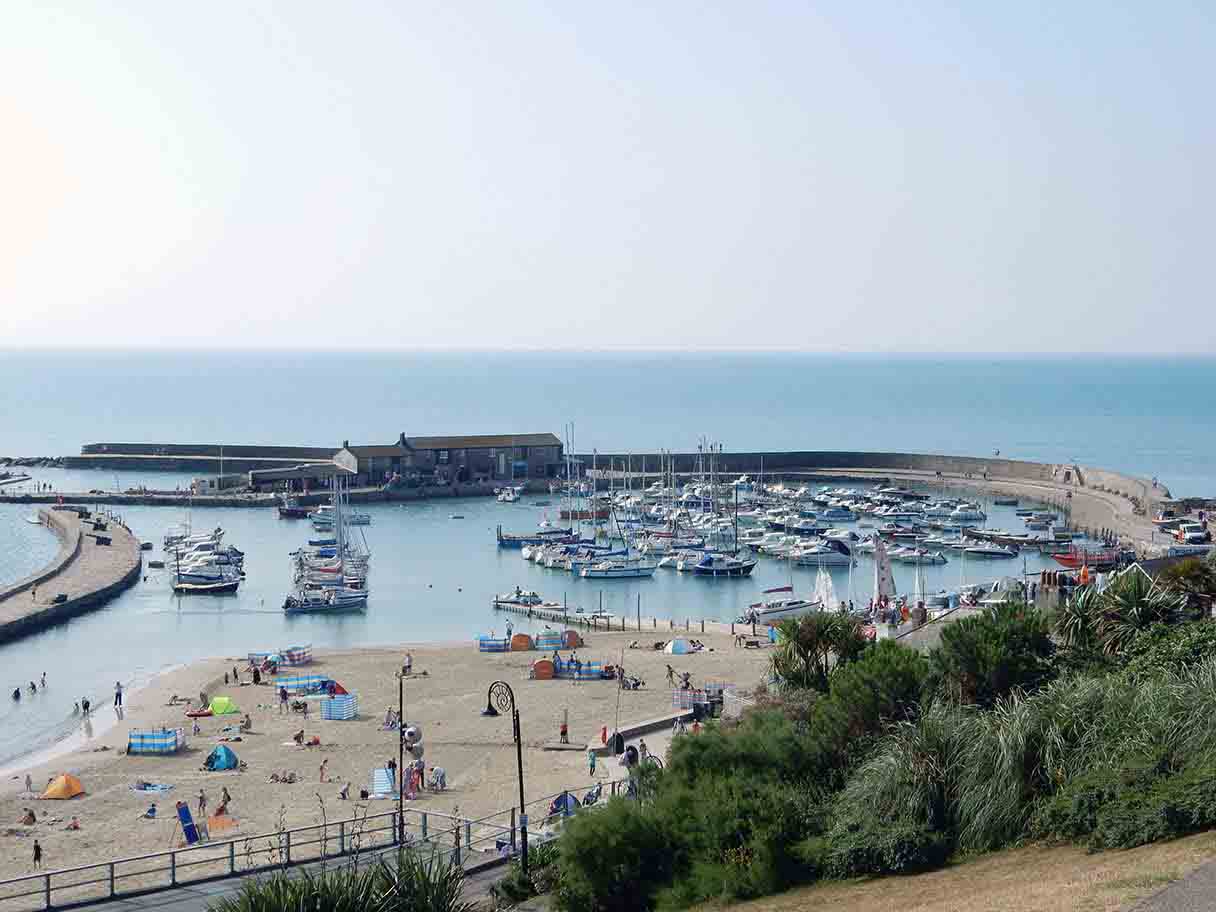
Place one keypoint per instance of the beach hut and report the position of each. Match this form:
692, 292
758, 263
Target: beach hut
521, 642
550, 639
571, 640
160, 741
542, 670
223, 706
221, 757
678, 647
63, 787
492, 644
342, 707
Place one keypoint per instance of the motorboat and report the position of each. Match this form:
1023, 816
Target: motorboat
838, 514
968, 513
989, 549
290, 509
917, 556
723, 565
618, 569
773, 610
1005, 501
829, 552
520, 598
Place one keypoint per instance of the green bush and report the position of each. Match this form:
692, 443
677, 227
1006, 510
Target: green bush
1165, 649
616, 859
892, 847
1173, 806
981, 659
409, 883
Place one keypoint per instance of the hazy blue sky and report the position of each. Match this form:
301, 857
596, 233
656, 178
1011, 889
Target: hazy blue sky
843, 176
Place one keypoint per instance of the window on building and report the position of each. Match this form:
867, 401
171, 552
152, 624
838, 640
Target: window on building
521, 452
443, 457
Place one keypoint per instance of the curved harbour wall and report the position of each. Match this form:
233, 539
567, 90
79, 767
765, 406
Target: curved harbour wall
88, 574
842, 461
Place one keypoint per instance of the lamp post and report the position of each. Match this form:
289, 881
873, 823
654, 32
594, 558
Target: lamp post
500, 699
401, 757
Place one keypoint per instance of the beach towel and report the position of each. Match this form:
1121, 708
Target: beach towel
150, 787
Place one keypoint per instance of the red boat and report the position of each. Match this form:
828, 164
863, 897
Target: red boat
1095, 558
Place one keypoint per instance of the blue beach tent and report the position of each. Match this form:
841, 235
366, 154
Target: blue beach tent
222, 758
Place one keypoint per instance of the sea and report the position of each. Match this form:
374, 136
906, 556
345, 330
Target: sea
433, 575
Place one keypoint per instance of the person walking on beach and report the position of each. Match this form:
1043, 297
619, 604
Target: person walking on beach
118, 694
563, 736
37, 855
324, 763
671, 676
643, 750
591, 762
282, 700
225, 798
29, 784
84, 706
202, 803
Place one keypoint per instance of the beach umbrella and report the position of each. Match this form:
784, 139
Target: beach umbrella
679, 646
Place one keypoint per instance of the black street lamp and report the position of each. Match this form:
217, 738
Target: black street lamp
500, 699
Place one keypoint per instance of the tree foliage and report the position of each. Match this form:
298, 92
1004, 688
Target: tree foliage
810, 646
981, 659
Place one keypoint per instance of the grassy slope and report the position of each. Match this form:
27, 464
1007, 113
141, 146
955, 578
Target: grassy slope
1034, 879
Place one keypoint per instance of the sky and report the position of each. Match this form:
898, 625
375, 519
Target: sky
844, 177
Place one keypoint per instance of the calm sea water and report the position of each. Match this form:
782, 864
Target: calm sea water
1148, 416
433, 576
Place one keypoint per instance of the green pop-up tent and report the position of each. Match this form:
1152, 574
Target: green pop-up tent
223, 706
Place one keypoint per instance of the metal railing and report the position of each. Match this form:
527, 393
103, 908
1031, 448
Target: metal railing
464, 840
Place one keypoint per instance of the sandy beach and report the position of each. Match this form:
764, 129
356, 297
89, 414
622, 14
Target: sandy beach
445, 696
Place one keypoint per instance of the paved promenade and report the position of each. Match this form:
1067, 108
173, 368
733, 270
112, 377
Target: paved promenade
86, 571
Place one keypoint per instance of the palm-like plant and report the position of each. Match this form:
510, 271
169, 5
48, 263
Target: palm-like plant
1131, 603
808, 647
1076, 623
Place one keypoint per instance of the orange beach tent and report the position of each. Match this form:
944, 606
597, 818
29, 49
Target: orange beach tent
64, 786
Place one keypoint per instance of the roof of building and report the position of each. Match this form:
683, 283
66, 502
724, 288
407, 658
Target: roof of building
483, 440
306, 471
392, 449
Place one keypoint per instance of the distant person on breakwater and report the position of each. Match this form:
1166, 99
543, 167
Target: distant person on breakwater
118, 693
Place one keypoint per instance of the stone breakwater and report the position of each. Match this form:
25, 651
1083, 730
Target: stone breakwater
84, 574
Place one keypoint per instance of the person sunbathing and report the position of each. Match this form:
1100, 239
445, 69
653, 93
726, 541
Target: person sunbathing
74, 825
28, 817
246, 724
150, 813
298, 737
344, 792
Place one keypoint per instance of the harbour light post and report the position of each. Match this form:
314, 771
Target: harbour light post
500, 699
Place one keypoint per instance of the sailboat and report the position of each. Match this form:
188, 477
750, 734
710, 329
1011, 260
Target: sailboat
331, 579
884, 577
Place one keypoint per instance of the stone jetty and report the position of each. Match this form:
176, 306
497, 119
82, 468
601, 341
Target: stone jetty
98, 558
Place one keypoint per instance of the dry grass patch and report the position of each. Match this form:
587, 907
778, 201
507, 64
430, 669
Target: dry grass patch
1034, 879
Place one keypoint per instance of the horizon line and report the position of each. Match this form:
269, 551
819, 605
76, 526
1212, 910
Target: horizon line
1011, 354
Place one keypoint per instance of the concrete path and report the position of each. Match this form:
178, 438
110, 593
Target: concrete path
1194, 893
198, 897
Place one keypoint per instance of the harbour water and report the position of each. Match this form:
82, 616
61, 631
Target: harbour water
432, 576
432, 579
